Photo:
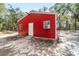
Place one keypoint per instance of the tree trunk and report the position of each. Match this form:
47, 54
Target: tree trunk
75, 25
59, 23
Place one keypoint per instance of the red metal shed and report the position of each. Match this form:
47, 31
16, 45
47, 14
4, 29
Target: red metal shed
38, 24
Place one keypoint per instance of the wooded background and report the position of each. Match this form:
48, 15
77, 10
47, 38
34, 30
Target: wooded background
68, 16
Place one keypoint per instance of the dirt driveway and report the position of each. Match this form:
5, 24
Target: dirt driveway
29, 46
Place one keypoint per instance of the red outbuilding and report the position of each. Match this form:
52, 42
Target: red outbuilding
38, 24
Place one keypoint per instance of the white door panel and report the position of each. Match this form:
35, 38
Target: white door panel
30, 28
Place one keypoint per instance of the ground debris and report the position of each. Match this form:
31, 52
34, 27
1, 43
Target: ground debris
29, 46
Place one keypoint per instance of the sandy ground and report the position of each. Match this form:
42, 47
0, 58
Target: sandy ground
29, 46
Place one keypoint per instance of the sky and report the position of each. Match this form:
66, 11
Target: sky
39, 1
26, 7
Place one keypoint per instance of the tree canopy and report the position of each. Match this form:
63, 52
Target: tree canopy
68, 16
